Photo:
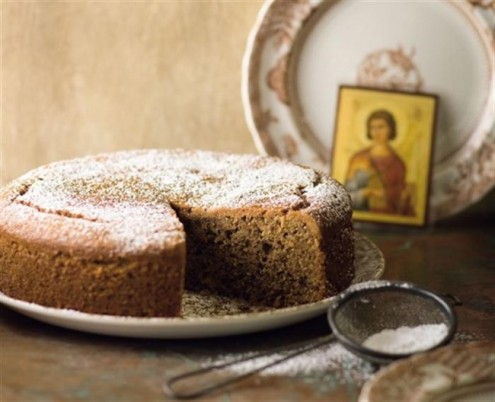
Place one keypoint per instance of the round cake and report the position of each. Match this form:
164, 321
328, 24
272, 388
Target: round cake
125, 233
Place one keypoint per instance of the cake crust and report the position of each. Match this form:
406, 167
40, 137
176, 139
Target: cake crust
118, 233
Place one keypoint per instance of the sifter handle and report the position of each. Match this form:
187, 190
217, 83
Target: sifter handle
168, 386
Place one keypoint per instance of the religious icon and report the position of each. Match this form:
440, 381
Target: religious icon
382, 153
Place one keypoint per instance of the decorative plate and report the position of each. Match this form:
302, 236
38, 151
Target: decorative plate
456, 373
203, 315
300, 52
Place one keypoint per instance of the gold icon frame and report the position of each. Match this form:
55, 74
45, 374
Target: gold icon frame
382, 153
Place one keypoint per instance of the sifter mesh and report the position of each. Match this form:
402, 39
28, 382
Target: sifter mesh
368, 308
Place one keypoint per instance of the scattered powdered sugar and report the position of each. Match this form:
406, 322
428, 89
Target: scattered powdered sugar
407, 339
330, 364
466, 337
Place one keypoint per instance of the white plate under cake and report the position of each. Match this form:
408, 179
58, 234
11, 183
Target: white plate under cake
204, 314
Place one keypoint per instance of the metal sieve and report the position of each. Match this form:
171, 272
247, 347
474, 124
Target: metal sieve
368, 308
357, 313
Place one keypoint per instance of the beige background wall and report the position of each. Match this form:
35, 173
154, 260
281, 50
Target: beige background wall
83, 77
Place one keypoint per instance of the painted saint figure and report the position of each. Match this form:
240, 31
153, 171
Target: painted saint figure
376, 177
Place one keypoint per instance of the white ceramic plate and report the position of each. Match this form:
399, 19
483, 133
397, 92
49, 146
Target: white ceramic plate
299, 53
456, 373
204, 316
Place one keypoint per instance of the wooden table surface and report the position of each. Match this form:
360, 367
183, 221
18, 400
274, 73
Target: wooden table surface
40, 362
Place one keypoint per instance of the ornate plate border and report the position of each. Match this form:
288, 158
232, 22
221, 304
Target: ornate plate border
456, 184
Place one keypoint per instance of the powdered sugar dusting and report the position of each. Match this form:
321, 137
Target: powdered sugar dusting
202, 178
123, 190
